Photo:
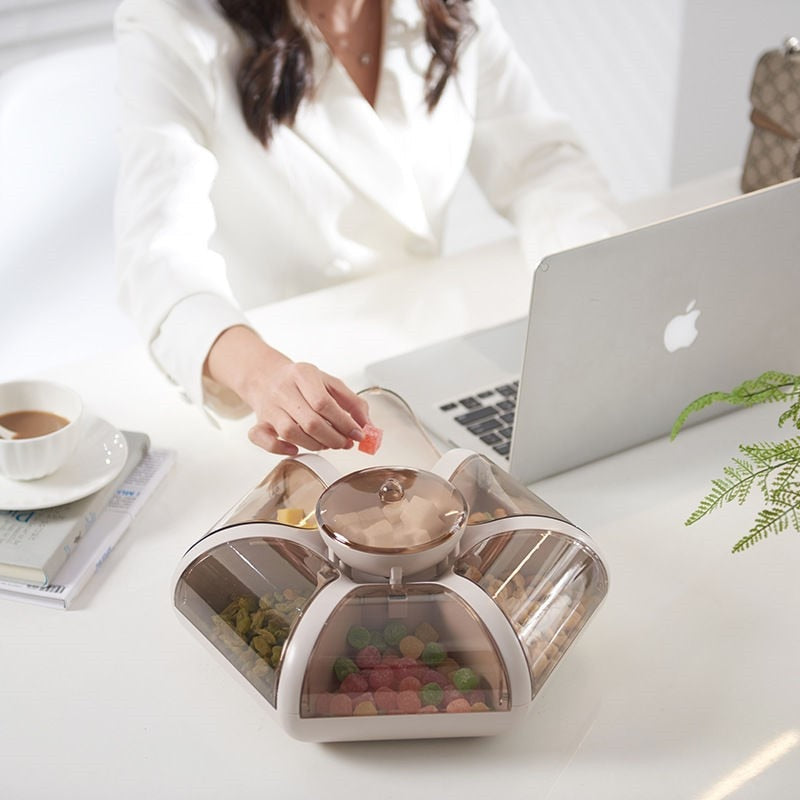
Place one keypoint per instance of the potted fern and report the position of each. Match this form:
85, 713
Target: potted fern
771, 468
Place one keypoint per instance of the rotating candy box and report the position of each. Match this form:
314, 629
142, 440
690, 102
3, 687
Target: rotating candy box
364, 600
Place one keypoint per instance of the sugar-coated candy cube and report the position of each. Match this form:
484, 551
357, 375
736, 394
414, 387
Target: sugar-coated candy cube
420, 512
372, 440
392, 511
379, 534
290, 516
479, 707
415, 536
458, 706
346, 520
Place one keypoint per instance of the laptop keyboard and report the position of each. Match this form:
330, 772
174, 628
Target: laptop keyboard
487, 414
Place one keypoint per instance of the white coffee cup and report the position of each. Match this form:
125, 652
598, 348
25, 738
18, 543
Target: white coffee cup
38, 455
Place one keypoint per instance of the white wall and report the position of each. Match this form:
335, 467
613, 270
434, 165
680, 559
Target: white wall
657, 88
721, 42
32, 27
612, 67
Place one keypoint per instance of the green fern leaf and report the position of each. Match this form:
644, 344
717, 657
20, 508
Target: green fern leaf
769, 387
696, 405
792, 413
787, 478
735, 486
772, 453
768, 520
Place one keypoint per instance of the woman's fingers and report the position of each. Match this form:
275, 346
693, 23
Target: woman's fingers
264, 435
320, 413
356, 406
308, 408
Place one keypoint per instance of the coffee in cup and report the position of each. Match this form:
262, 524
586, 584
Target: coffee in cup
29, 424
46, 418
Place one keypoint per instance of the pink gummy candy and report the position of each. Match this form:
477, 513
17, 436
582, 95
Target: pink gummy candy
371, 441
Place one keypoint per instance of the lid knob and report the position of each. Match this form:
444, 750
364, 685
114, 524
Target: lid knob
391, 491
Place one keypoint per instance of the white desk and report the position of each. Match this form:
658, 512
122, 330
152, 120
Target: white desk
678, 688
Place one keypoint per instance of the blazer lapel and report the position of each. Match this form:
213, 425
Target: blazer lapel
342, 127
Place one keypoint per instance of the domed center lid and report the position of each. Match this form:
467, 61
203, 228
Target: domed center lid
391, 509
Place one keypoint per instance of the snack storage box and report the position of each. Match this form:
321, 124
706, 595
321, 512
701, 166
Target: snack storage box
391, 602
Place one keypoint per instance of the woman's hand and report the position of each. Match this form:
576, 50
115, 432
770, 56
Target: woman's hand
296, 404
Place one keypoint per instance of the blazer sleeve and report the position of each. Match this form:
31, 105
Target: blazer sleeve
170, 280
527, 158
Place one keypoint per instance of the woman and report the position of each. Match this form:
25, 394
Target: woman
271, 147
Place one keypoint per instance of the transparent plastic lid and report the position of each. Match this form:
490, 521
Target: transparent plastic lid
428, 653
246, 597
391, 509
546, 583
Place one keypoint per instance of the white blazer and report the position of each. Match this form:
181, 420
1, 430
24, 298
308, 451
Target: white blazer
209, 222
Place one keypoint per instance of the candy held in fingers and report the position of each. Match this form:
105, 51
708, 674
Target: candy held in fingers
371, 441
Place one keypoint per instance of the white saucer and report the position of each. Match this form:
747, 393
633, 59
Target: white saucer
98, 459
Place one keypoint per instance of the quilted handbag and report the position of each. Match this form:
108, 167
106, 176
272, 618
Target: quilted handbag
773, 154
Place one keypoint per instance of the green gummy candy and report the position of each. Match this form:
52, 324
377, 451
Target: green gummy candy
343, 667
394, 632
433, 654
358, 637
431, 694
464, 679
376, 640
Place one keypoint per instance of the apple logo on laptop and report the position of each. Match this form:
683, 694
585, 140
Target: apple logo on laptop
681, 330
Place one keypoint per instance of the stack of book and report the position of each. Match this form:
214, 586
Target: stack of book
48, 556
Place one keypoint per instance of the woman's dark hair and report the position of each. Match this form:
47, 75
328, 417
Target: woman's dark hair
276, 72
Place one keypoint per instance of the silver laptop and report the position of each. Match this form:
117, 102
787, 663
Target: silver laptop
621, 335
